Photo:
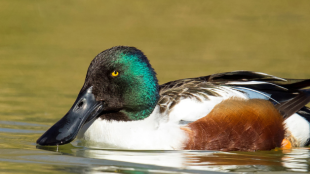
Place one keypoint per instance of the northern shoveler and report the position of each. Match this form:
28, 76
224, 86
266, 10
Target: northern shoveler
121, 105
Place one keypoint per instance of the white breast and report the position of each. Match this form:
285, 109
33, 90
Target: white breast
154, 132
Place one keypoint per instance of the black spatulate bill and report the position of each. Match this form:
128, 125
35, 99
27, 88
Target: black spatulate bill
84, 109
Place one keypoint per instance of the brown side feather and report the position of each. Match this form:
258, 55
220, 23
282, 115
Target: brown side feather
237, 125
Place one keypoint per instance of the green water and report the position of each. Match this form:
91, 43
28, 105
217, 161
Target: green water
46, 47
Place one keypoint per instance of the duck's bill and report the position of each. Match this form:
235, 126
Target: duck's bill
84, 109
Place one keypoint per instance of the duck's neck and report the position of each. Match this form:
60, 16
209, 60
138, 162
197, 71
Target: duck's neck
142, 92
141, 101
138, 115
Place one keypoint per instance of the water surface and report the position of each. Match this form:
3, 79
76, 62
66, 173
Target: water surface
46, 47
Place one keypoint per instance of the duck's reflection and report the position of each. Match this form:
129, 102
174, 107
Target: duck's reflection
293, 160
158, 158
296, 160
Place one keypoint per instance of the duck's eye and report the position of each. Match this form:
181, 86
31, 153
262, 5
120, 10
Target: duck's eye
115, 73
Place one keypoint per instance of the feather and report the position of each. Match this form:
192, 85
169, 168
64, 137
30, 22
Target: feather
295, 104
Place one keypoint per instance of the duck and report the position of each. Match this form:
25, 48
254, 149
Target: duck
122, 106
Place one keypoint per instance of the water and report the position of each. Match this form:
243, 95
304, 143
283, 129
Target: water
19, 154
46, 47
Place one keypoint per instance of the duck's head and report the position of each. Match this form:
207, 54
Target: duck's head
120, 85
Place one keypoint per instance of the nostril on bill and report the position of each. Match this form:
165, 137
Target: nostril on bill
79, 105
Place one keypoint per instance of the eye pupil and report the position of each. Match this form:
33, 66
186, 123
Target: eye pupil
115, 73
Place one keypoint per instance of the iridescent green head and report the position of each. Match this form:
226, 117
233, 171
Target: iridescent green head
123, 79
120, 85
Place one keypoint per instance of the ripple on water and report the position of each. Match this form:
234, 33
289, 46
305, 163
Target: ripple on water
18, 146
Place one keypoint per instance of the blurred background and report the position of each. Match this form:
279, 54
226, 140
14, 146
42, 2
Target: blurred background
46, 46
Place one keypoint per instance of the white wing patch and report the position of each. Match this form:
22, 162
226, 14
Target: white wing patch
190, 109
299, 127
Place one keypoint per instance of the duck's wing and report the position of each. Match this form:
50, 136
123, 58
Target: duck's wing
243, 76
171, 94
222, 78
250, 84
254, 84
294, 105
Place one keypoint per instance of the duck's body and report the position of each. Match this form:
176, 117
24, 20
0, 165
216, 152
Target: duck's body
130, 111
178, 107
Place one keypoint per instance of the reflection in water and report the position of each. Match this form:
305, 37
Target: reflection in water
195, 161
158, 158
78, 159
296, 160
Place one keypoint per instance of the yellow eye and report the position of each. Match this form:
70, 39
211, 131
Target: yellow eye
115, 73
